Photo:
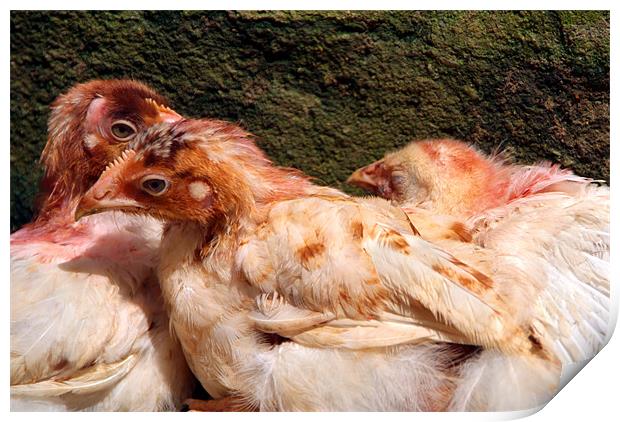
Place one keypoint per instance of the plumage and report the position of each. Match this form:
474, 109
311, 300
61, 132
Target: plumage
92, 379
554, 222
88, 325
289, 296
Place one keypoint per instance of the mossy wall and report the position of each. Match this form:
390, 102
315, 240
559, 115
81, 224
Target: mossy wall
328, 92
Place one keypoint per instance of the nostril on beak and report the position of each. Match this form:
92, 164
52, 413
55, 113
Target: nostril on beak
101, 194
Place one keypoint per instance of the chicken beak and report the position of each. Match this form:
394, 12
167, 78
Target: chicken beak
89, 206
365, 177
104, 196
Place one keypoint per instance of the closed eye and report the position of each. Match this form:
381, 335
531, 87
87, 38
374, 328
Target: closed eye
397, 180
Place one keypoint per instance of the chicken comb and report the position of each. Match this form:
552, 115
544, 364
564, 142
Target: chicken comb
126, 154
160, 107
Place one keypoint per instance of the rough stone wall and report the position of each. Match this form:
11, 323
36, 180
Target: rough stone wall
330, 91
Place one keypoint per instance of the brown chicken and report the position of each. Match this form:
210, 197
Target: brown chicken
555, 221
290, 296
88, 327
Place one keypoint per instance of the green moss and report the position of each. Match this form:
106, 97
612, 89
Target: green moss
330, 91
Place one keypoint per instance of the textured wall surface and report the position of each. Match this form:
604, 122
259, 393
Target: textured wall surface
330, 91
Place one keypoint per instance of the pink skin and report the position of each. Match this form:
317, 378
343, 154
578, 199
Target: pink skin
96, 112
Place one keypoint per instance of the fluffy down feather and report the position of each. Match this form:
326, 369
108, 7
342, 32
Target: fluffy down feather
88, 327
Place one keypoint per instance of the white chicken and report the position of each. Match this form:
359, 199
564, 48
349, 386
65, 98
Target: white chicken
290, 296
555, 222
88, 326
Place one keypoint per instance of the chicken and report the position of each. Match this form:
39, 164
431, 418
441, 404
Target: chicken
88, 325
290, 296
552, 219
450, 177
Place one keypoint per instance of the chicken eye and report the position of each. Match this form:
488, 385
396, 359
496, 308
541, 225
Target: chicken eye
397, 180
154, 185
123, 130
